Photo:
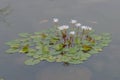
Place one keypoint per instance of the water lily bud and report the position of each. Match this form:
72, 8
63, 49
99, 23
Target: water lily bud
73, 21
77, 24
63, 27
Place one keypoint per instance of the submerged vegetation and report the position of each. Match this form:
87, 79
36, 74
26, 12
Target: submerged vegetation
71, 44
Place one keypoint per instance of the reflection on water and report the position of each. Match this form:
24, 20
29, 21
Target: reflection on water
4, 12
34, 15
64, 73
106, 68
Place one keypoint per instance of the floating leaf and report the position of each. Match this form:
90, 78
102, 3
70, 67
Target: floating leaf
76, 62
86, 48
24, 34
84, 56
15, 46
45, 49
106, 34
32, 61
53, 40
103, 44
36, 56
59, 47
53, 52
98, 37
43, 35
94, 51
58, 58
77, 40
10, 51
51, 59
72, 50
36, 61
12, 42
25, 49
29, 62
37, 33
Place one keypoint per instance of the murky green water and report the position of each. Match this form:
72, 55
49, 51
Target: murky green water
34, 15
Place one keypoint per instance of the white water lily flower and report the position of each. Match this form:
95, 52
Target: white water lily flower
60, 28
63, 27
73, 21
55, 20
84, 27
72, 32
89, 28
77, 24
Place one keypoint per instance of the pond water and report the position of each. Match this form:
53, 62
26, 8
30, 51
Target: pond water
34, 15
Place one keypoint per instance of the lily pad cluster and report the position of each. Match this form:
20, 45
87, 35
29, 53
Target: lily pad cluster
71, 44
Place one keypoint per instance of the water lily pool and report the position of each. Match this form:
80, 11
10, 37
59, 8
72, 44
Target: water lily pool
23, 16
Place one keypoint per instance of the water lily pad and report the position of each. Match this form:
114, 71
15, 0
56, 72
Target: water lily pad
32, 61
86, 48
24, 34
72, 50
59, 47
11, 51
29, 62
51, 59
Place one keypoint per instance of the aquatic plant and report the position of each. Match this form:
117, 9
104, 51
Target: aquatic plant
68, 44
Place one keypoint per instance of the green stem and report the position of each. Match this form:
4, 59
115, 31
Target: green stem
81, 38
71, 40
